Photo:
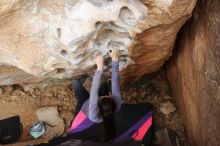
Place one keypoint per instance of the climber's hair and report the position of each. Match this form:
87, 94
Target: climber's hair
107, 108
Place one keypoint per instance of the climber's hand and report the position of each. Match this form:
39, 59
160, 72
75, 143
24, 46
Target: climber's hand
99, 61
114, 53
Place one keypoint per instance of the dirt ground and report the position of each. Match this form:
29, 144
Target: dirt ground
24, 100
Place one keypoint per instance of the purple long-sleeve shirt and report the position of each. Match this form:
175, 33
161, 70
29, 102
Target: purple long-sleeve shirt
90, 107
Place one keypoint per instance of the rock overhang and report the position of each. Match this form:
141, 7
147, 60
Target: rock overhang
58, 39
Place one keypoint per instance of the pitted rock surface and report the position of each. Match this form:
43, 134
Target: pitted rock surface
43, 41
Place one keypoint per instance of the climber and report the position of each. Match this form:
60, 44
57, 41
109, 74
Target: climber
101, 117
98, 106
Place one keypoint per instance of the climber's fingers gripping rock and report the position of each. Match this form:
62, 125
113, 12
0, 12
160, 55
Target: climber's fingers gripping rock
114, 53
99, 61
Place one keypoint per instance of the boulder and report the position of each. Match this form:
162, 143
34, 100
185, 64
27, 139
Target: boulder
48, 41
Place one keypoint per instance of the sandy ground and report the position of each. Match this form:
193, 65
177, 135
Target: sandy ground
24, 100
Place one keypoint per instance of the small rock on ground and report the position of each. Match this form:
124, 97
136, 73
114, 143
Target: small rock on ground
166, 97
167, 107
51, 116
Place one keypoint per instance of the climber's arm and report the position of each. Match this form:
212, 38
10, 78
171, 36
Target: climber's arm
116, 94
93, 99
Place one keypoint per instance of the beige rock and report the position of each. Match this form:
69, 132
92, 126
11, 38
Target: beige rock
28, 88
51, 40
166, 97
167, 107
49, 115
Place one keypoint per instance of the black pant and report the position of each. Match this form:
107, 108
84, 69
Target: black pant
82, 95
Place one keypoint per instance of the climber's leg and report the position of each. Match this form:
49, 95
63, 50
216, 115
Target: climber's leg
81, 94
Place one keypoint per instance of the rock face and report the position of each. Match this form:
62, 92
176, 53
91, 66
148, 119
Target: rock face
56, 39
194, 74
